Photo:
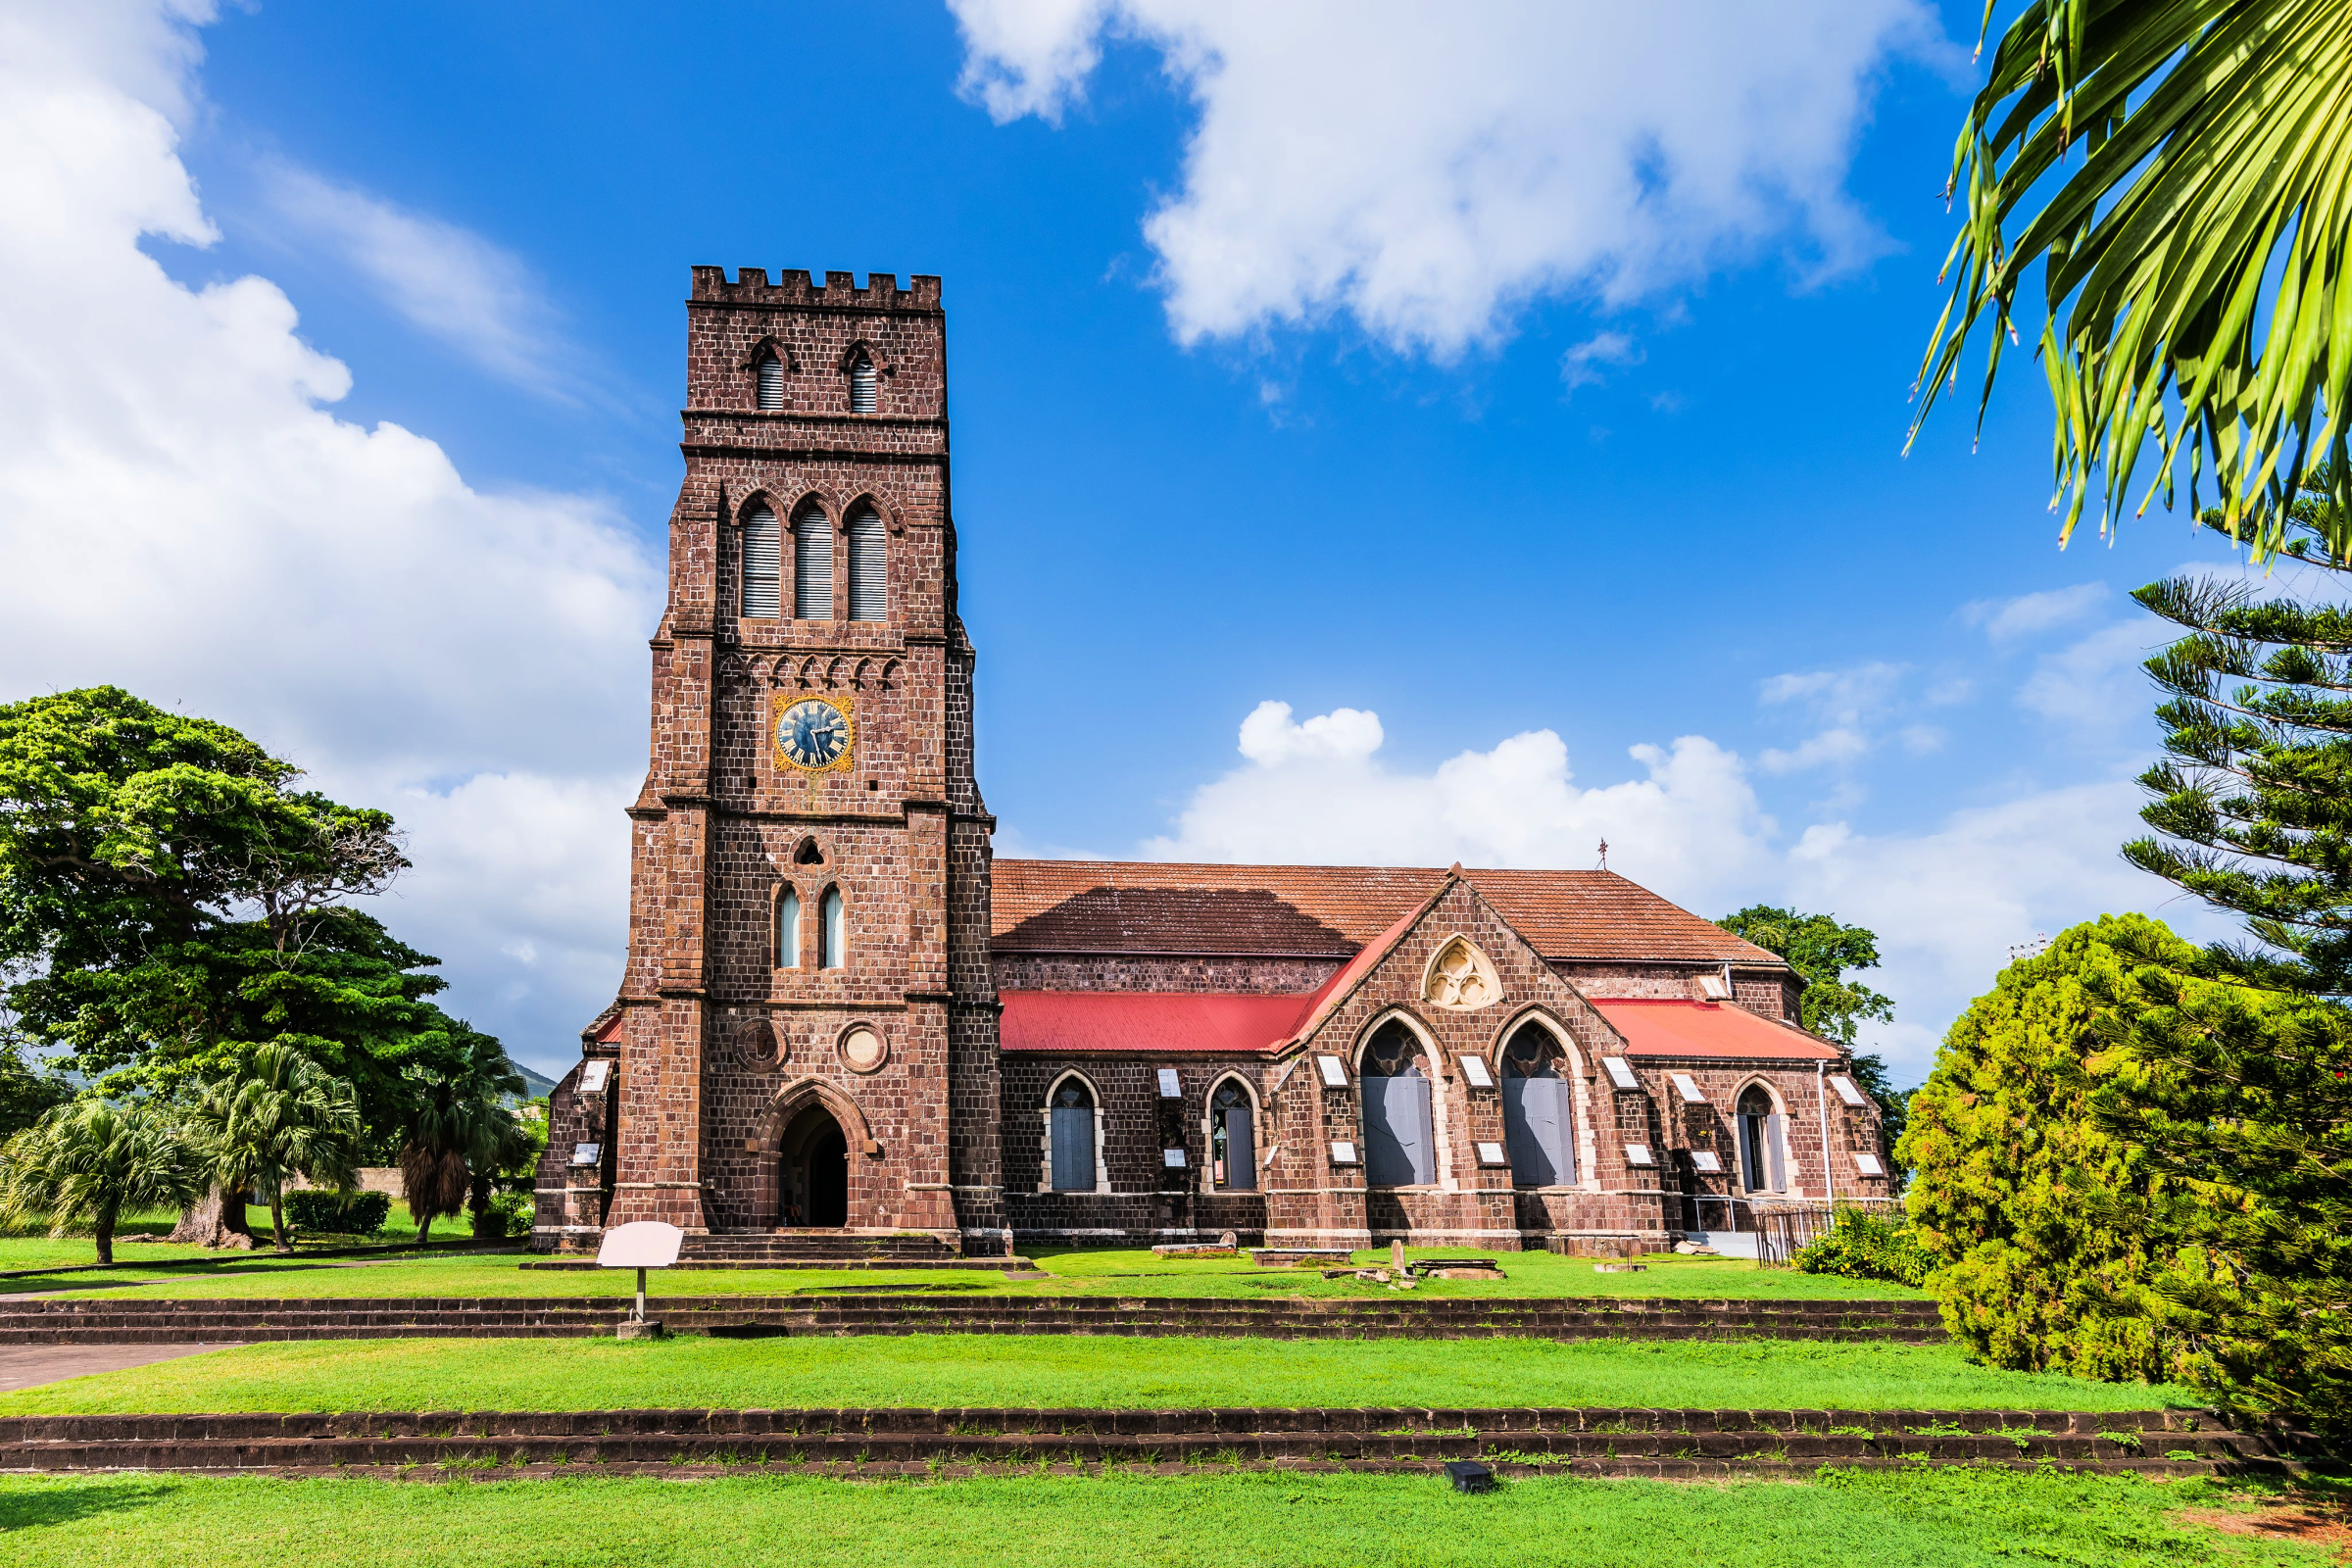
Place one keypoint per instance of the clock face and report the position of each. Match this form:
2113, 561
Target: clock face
813, 734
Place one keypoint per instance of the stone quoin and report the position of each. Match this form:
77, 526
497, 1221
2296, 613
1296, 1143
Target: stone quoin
842, 1017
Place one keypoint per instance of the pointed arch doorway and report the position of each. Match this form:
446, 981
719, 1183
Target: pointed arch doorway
815, 1186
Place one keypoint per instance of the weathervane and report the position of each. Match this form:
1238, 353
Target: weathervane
1604, 855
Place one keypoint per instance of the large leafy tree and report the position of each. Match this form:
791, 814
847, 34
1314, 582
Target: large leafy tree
1824, 951
277, 1116
26, 1091
88, 1162
2178, 172
171, 901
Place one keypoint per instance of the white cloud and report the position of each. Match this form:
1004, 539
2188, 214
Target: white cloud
2094, 685
1847, 695
1829, 749
447, 281
181, 515
1426, 169
1318, 792
1583, 365
2027, 613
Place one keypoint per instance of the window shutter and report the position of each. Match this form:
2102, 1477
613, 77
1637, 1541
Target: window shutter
1399, 1150
1775, 1156
1240, 1149
1073, 1149
869, 593
763, 565
812, 566
771, 381
862, 386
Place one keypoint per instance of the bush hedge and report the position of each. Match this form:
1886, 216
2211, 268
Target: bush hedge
323, 1214
1865, 1246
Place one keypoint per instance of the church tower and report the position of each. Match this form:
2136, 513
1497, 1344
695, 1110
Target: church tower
807, 1026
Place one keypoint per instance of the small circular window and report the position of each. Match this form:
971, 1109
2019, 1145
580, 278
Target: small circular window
862, 1049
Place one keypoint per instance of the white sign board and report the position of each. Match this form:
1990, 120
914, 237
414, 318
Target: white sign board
1704, 1159
1334, 1072
1845, 1088
1688, 1087
1491, 1155
1618, 1073
1172, 1158
1868, 1165
1636, 1153
1474, 1068
593, 1075
1169, 1088
1342, 1152
642, 1244
587, 1154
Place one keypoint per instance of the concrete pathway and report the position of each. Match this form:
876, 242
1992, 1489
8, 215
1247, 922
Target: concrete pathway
23, 1366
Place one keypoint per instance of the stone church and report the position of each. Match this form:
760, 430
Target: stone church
845, 1028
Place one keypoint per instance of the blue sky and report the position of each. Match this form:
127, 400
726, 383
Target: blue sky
1563, 434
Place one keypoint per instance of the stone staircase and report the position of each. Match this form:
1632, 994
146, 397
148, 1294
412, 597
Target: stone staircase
826, 1249
1668, 1444
120, 1319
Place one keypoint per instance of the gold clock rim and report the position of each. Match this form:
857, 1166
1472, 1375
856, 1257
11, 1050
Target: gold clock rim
786, 702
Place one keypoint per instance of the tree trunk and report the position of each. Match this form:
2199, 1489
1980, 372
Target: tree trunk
219, 1220
103, 1233
425, 1231
278, 1223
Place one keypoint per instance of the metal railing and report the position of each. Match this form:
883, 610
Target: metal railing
1782, 1230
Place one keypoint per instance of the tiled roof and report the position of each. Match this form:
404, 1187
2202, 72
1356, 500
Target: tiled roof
1704, 1029
1160, 1022
1330, 911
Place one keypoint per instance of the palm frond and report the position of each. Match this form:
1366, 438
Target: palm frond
2193, 260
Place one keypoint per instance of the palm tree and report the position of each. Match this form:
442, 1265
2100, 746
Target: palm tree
282, 1115
88, 1160
461, 1133
2194, 260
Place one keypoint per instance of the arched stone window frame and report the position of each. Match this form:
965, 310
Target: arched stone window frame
1791, 1186
1044, 1136
1208, 1128
738, 529
768, 344
1588, 1163
1441, 1073
775, 927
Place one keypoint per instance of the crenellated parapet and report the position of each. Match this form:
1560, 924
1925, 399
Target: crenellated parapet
795, 290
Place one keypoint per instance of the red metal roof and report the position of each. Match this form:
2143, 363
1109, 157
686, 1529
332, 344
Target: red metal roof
1670, 1028
1330, 911
1160, 1022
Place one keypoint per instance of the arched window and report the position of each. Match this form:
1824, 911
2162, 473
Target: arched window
1232, 1140
771, 368
812, 565
1401, 1145
870, 590
862, 384
788, 930
1538, 1115
1762, 1163
763, 565
1070, 1129
828, 937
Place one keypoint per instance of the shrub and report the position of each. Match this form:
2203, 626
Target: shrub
324, 1213
508, 1214
1865, 1246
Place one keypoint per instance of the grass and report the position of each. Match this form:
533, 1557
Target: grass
20, 1249
1070, 1371
1089, 1271
1931, 1519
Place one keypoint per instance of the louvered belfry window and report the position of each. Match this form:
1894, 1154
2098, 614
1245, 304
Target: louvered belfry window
870, 591
813, 565
763, 565
771, 381
862, 386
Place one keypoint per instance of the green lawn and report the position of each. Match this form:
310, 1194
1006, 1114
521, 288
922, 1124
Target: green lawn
1931, 1519
1070, 1371
34, 1250
1090, 1271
